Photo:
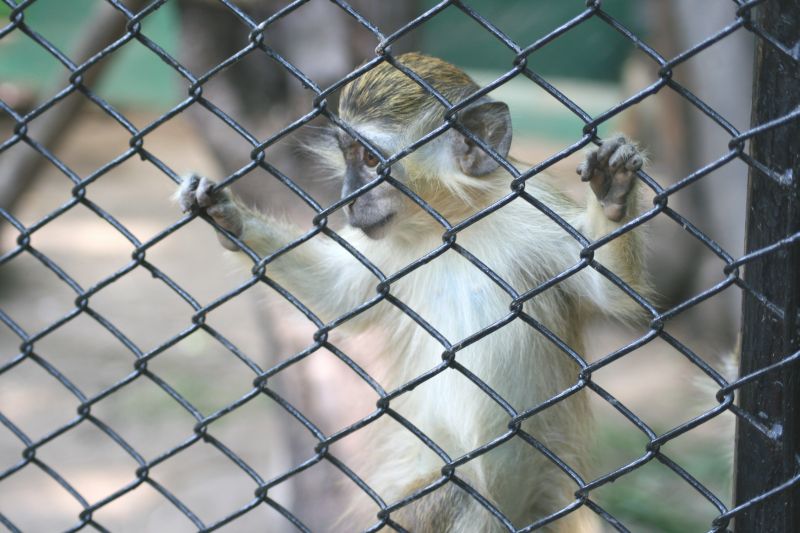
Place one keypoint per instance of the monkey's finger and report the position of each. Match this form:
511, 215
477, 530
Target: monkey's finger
206, 197
624, 153
608, 147
635, 163
586, 169
186, 193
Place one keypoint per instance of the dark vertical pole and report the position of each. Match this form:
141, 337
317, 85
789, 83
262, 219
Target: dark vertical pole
764, 462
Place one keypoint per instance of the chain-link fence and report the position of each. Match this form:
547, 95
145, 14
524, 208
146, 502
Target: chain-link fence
764, 397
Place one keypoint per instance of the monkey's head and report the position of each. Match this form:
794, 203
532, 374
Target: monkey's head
392, 111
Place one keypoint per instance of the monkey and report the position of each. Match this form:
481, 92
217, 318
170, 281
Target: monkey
519, 242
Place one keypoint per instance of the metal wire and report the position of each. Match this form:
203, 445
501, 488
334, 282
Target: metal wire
518, 67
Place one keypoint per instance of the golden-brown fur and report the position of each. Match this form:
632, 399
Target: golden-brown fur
521, 245
385, 94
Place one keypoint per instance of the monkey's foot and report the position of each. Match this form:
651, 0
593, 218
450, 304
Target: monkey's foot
611, 172
196, 192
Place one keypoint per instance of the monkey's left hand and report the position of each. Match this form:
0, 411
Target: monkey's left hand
611, 172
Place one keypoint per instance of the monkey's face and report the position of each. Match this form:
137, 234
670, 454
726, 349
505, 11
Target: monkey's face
375, 210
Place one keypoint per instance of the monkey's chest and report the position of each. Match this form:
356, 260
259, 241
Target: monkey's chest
456, 303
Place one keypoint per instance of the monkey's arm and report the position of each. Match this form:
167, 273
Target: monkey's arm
613, 201
319, 272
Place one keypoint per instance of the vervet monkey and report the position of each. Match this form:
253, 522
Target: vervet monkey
519, 242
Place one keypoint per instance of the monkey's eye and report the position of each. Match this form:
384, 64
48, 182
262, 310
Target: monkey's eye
369, 159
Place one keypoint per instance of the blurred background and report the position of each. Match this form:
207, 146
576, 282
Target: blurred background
592, 64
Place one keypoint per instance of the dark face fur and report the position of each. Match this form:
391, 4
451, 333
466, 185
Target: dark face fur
374, 210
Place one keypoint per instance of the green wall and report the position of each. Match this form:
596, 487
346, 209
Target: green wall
591, 50
136, 77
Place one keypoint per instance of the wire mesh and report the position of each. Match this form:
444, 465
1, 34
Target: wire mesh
261, 387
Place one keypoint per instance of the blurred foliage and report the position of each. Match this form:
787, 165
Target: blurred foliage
591, 50
654, 498
137, 76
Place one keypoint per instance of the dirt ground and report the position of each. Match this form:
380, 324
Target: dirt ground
655, 382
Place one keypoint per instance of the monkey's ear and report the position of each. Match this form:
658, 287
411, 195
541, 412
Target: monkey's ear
490, 121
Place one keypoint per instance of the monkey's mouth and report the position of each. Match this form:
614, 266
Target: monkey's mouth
376, 229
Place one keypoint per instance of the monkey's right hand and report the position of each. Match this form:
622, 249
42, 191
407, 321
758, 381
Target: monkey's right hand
196, 192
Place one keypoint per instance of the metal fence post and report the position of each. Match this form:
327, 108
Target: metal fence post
766, 458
